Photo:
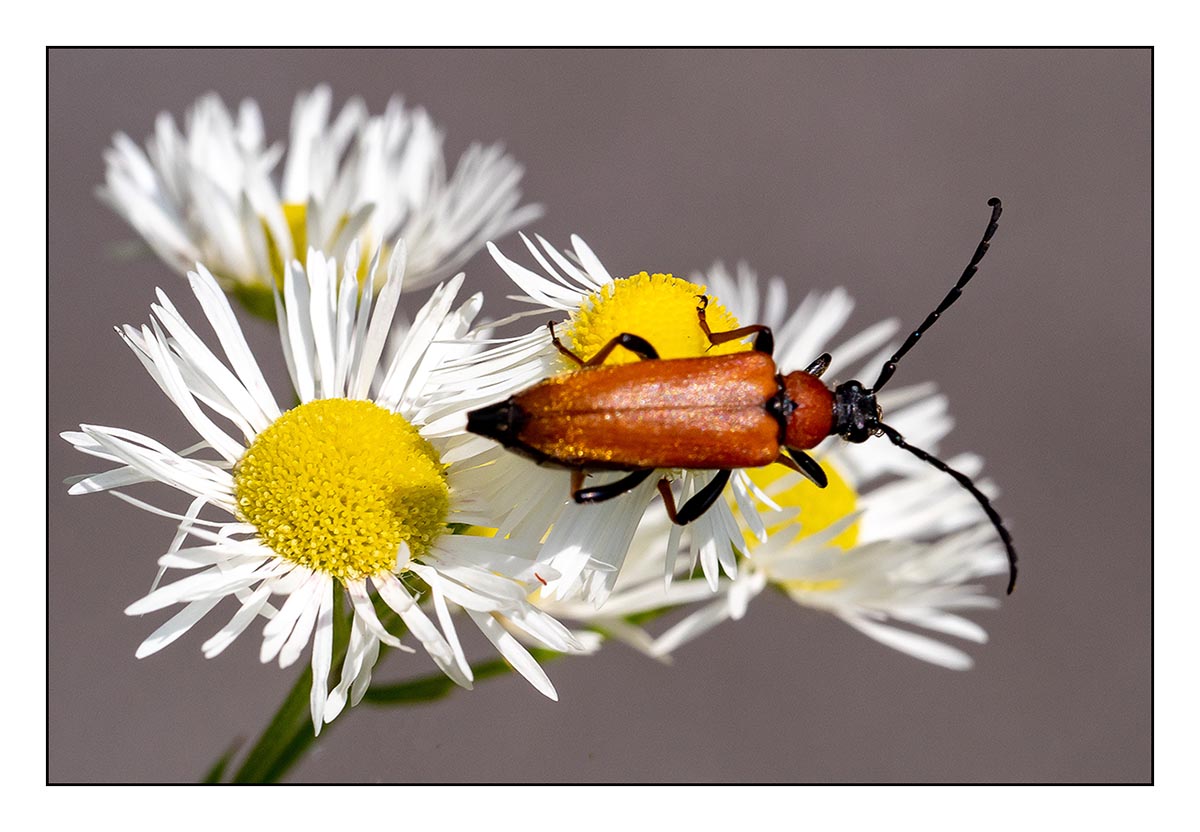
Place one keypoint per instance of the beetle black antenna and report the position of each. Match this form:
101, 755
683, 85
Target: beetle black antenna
966, 483
951, 296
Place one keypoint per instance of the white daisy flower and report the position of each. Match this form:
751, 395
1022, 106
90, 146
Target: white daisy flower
343, 489
586, 544
207, 193
856, 548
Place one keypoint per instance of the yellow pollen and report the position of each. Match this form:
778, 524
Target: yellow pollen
338, 485
820, 508
658, 307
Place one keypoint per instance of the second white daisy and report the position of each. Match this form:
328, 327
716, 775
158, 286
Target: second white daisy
208, 193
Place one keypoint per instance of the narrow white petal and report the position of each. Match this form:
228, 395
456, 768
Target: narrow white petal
516, 654
238, 623
322, 656
322, 593
299, 330
917, 646
380, 325
694, 625
447, 622
536, 287
179, 624
216, 307
364, 611
397, 597
351, 666
276, 633
212, 583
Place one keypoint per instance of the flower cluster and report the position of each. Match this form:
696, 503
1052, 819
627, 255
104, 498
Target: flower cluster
364, 510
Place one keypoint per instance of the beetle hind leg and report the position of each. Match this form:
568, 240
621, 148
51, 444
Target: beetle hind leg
600, 493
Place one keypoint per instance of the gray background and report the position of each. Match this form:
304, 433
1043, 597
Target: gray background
868, 169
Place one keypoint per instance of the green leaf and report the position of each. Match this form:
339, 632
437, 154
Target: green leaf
217, 771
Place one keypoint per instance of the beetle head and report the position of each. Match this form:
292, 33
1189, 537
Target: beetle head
856, 414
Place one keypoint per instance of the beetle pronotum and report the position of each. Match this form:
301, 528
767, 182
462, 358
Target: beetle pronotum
718, 412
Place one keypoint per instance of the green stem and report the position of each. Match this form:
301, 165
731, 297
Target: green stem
290, 732
278, 739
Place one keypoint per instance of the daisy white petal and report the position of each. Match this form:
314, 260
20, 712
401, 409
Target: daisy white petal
352, 667
517, 655
322, 656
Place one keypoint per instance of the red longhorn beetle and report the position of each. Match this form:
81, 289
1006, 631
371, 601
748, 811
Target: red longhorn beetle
718, 412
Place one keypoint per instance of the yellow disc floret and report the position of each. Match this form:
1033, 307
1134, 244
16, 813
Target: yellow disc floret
658, 307
338, 485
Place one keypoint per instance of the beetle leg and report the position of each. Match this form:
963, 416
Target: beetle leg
577, 475
634, 343
806, 465
664, 488
818, 367
699, 502
787, 462
600, 493
765, 342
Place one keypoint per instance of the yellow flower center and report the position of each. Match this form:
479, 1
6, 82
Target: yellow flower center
820, 508
658, 307
338, 485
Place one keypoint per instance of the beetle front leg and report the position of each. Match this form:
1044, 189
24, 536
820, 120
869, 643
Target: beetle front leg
802, 463
818, 367
600, 493
765, 342
698, 503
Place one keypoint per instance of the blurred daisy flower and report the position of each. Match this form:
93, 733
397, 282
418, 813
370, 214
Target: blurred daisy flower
342, 492
890, 546
209, 193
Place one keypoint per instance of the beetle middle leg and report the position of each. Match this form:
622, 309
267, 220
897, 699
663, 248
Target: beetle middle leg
600, 493
765, 342
634, 343
699, 502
